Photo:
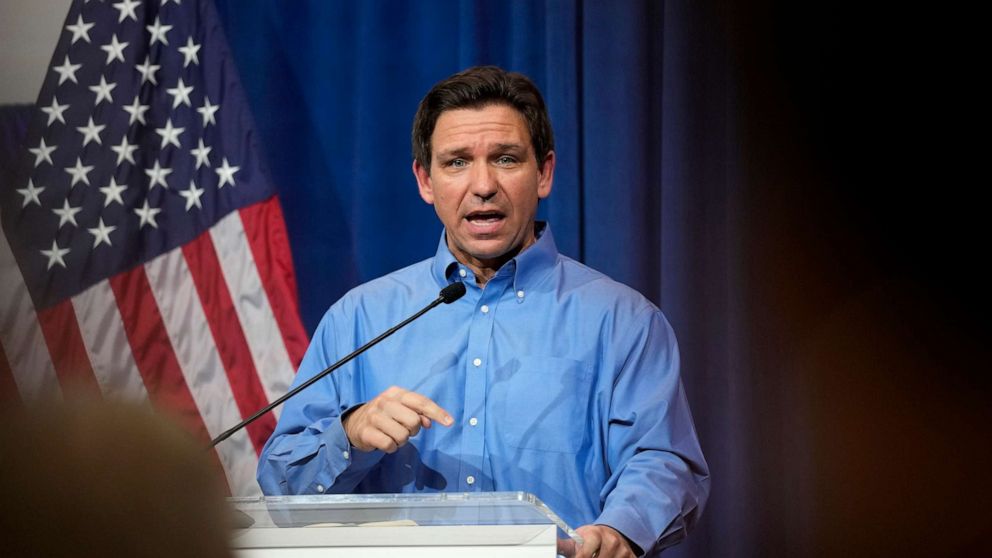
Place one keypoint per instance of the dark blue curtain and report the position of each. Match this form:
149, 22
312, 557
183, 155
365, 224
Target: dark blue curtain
336, 84
642, 106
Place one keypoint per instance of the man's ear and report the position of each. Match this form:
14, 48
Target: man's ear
544, 183
423, 182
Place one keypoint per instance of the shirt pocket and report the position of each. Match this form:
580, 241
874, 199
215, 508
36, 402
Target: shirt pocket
544, 404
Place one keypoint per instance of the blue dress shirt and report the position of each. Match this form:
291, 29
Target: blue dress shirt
561, 381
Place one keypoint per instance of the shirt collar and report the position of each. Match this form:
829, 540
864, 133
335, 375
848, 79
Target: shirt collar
528, 267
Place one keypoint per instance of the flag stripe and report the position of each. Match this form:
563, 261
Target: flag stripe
27, 352
106, 343
152, 349
252, 305
72, 364
188, 332
228, 337
265, 229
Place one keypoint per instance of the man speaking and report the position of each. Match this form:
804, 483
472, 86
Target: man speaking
546, 377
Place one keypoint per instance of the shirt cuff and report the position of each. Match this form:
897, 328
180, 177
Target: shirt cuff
344, 462
637, 531
633, 546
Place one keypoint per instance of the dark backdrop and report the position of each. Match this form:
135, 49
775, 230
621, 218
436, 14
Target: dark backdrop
790, 184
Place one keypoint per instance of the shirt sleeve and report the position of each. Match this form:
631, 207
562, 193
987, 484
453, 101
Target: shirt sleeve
309, 452
659, 480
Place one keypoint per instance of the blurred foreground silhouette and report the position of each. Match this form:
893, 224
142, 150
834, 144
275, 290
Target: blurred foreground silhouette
95, 478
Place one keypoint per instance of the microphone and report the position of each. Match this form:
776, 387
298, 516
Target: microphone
447, 295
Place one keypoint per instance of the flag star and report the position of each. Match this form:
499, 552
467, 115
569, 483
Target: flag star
67, 214
169, 134
126, 8
125, 151
91, 132
147, 215
158, 32
42, 152
136, 110
201, 153
112, 193
189, 51
67, 71
79, 173
157, 175
101, 233
31, 194
55, 255
164, 2
114, 49
192, 196
207, 111
226, 173
55, 111
180, 94
80, 30
147, 71
102, 91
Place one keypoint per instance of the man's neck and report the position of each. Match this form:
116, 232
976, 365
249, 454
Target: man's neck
486, 269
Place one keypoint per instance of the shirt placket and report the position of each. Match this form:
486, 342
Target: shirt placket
478, 362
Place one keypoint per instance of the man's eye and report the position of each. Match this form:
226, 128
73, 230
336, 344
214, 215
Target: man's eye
457, 163
506, 160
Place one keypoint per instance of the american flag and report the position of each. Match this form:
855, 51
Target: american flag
144, 253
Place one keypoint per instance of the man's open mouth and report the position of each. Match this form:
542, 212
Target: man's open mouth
484, 217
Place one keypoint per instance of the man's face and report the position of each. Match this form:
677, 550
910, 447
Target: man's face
484, 183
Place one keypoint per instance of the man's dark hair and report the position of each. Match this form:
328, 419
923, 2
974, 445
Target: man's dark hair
479, 87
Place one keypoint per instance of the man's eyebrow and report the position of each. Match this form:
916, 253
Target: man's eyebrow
453, 152
510, 147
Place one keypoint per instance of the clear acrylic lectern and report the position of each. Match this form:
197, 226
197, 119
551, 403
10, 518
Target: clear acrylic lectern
494, 524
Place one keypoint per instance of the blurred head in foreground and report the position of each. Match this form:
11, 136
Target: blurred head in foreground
106, 479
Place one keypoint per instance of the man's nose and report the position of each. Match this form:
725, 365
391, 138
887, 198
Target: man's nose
485, 183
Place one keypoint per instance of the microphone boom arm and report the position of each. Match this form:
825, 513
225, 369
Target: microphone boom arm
448, 295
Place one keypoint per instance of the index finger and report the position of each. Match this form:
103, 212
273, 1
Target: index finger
426, 407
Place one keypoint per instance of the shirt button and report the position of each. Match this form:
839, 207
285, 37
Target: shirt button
473, 421
520, 294
462, 272
485, 309
470, 479
320, 488
477, 362
346, 454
